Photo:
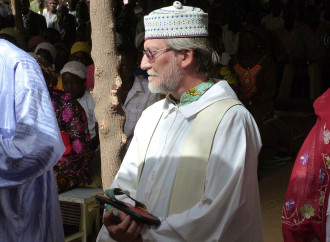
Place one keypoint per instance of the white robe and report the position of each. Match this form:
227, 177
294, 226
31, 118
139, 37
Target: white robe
30, 145
229, 210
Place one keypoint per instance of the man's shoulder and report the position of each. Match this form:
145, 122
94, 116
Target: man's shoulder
157, 107
11, 53
141, 82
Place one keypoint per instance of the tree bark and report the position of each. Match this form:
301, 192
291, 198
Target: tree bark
108, 110
16, 8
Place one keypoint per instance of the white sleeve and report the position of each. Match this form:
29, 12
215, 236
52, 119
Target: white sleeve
127, 175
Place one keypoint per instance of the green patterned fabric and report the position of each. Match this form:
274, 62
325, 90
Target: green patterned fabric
195, 93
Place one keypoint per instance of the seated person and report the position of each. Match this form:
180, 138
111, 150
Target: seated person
75, 75
72, 168
135, 96
81, 51
47, 51
256, 72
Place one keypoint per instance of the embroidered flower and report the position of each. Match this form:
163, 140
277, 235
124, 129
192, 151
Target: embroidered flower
228, 75
304, 159
289, 204
307, 211
193, 92
326, 158
67, 114
80, 126
321, 200
326, 134
77, 146
224, 71
67, 96
321, 175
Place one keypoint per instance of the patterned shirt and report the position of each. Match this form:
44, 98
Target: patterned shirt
195, 93
72, 120
138, 99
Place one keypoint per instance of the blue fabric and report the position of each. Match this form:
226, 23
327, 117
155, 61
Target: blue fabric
30, 145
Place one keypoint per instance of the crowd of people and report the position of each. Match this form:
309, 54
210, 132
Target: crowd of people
59, 33
172, 56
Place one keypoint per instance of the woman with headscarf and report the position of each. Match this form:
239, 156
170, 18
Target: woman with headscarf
72, 168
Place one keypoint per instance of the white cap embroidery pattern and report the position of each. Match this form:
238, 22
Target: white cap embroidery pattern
176, 21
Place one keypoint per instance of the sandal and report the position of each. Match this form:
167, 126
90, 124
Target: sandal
138, 212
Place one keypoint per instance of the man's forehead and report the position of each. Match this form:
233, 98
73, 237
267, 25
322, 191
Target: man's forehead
154, 43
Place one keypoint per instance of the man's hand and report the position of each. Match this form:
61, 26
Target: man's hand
122, 227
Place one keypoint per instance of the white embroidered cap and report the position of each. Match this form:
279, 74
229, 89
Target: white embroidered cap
176, 21
75, 67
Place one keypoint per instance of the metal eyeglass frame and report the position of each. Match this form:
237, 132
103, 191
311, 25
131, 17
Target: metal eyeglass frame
151, 53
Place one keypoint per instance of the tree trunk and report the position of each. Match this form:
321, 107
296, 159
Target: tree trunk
108, 110
16, 8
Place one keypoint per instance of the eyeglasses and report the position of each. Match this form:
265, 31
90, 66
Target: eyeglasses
151, 53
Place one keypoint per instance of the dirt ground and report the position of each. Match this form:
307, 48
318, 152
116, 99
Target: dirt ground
273, 182
272, 185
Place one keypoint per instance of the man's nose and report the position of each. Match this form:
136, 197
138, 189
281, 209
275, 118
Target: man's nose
145, 63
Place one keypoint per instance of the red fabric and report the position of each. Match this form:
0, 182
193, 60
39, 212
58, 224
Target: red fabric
66, 141
306, 200
90, 77
247, 79
34, 42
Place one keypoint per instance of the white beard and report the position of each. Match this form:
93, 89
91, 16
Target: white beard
168, 79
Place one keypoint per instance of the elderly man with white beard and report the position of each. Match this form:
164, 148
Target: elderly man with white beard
193, 158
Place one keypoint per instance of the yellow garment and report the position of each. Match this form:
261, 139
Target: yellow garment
59, 85
228, 75
80, 46
11, 32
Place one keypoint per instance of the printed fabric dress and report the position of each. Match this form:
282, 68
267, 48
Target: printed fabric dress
72, 168
304, 212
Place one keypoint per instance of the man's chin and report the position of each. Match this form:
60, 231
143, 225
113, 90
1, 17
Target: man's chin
154, 88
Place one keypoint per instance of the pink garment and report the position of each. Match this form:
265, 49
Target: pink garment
304, 211
90, 77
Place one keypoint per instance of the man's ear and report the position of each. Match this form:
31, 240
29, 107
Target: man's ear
187, 58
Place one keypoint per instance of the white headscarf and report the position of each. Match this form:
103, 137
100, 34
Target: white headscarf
75, 67
47, 46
